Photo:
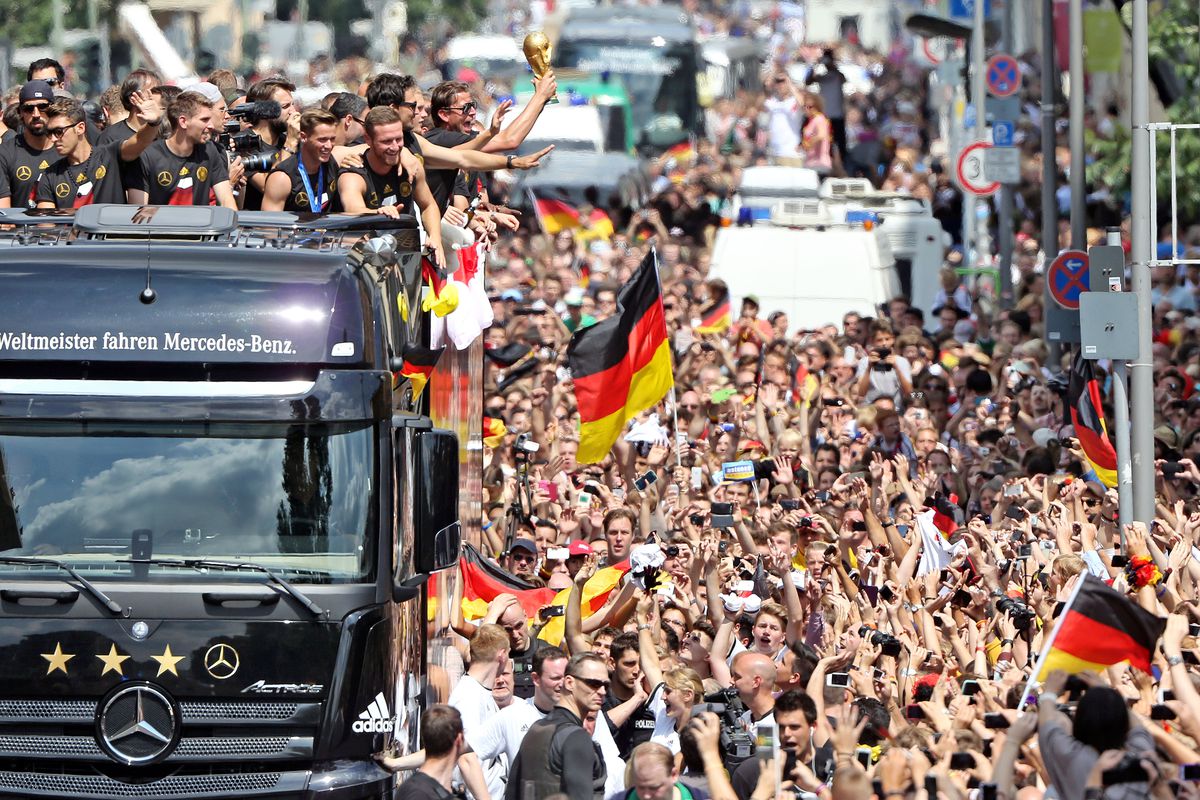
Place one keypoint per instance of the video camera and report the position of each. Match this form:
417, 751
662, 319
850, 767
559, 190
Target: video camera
1022, 615
737, 744
247, 143
889, 645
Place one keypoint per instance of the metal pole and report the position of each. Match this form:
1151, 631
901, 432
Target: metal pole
978, 206
1141, 392
56, 27
1004, 227
1078, 205
1049, 168
1120, 399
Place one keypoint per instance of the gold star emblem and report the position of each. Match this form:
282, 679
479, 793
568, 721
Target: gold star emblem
167, 662
58, 659
112, 661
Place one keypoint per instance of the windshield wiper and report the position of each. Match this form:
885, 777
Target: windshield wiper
272, 576
100, 596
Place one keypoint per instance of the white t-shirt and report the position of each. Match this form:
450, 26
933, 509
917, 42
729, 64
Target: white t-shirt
502, 734
475, 703
783, 131
885, 384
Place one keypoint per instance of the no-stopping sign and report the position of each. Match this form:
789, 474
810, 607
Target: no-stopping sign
969, 170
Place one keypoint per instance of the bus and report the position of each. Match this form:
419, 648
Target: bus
654, 53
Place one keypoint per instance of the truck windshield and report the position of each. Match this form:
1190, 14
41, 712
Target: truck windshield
661, 82
296, 498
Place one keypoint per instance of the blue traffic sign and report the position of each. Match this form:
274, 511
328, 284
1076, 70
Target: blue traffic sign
1068, 278
1002, 133
1003, 75
965, 9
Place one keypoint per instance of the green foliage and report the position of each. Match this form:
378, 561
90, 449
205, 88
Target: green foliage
1175, 39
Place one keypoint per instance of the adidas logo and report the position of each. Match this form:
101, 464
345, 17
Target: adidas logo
376, 719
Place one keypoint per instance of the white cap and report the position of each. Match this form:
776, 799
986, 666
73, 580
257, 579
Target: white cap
209, 90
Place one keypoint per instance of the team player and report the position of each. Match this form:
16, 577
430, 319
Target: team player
184, 169
24, 157
92, 174
391, 177
307, 181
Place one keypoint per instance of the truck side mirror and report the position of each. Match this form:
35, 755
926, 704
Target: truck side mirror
435, 500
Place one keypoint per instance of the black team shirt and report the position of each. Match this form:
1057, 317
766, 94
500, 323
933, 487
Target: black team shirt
298, 198
96, 180
20, 168
172, 180
393, 187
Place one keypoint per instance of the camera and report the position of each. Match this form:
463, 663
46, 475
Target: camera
889, 645
1022, 615
525, 445
737, 744
247, 144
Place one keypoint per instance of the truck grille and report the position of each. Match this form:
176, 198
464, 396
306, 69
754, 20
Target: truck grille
240, 745
244, 748
101, 786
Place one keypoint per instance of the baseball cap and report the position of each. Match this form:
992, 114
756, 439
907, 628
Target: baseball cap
36, 90
523, 544
512, 294
208, 91
579, 548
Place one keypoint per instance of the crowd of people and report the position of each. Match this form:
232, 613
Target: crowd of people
855, 616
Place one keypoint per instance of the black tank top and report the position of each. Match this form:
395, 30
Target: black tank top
393, 187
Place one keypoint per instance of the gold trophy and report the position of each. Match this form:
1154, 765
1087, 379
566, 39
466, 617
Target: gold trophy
537, 52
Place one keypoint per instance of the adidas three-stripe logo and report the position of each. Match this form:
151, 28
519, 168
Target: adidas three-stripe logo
376, 718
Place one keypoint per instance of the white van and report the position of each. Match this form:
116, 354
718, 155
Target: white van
574, 128
762, 188
805, 263
918, 240
492, 56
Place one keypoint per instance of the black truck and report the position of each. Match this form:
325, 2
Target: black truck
220, 502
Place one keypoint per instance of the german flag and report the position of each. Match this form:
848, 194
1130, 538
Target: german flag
483, 581
621, 365
555, 213
945, 514
716, 318
1100, 627
417, 366
1087, 416
494, 431
595, 594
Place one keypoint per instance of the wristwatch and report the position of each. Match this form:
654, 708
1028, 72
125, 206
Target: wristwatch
644, 627
1173, 661
508, 162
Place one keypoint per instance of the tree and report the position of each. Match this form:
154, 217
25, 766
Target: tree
1175, 41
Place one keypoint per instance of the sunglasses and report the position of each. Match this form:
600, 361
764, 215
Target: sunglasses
465, 108
29, 108
407, 104
595, 684
56, 133
52, 81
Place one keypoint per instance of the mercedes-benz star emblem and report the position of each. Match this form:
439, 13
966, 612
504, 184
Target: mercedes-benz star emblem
138, 724
221, 661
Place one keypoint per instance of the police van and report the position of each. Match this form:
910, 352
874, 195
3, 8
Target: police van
805, 262
223, 507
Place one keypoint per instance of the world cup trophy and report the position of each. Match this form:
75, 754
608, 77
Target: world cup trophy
537, 52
